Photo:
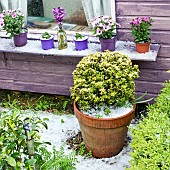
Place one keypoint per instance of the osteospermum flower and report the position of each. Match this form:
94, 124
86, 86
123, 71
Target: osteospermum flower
59, 14
104, 27
14, 15
140, 28
12, 21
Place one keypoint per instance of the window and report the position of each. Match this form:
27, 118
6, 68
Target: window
79, 12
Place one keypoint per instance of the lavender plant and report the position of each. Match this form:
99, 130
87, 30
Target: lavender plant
59, 14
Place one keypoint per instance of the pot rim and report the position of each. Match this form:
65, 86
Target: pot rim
104, 122
44, 39
107, 119
79, 40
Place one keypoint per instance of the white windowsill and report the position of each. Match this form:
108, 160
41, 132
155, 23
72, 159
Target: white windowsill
34, 46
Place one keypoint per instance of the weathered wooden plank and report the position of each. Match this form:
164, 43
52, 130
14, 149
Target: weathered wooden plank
164, 51
6, 74
41, 67
33, 77
158, 37
159, 64
138, 8
160, 23
153, 75
149, 87
40, 88
42, 58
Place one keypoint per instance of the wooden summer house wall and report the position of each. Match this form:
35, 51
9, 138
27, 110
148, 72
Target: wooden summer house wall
152, 74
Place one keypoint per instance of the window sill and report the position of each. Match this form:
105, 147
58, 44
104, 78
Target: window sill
34, 46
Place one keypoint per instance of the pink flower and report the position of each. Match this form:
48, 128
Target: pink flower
99, 31
106, 28
1, 22
147, 19
14, 15
1, 15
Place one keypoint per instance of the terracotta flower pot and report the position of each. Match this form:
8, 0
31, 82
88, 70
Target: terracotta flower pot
108, 44
143, 47
105, 137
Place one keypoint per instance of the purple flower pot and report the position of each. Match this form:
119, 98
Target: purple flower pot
108, 44
47, 43
81, 44
20, 40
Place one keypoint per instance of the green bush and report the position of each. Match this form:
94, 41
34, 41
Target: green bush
151, 137
104, 79
14, 151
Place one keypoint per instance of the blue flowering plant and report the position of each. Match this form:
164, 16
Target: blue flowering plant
104, 27
12, 21
140, 27
59, 14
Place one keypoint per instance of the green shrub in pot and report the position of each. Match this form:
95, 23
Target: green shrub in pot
104, 79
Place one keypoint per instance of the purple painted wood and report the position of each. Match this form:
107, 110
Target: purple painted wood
152, 74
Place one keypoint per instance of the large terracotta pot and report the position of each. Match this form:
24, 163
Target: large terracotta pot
105, 137
143, 47
108, 44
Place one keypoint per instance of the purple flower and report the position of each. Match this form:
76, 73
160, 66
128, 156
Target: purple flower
59, 14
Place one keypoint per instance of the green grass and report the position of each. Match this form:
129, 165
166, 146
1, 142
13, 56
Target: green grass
44, 102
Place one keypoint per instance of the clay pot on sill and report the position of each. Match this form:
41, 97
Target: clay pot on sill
143, 47
105, 137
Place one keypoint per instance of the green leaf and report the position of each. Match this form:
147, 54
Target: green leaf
11, 161
31, 161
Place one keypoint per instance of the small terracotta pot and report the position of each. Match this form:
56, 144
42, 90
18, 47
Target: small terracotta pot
143, 47
105, 137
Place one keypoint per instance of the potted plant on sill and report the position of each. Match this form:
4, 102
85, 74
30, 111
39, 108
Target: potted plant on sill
81, 42
104, 83
47, 41
12, 21
140, 27
104, 27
